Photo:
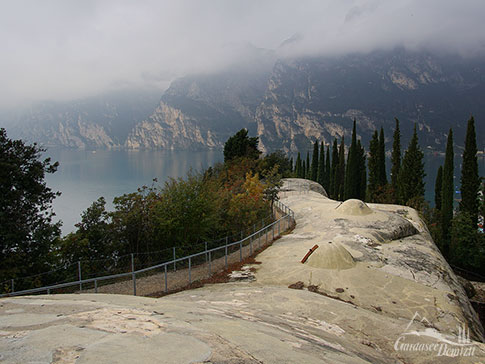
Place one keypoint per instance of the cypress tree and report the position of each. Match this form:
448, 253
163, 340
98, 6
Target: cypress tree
307, 168
373, 166
437, 188
314, 168
363, 171
470, 181
353, 175
291, 165
447, 194
382, 160
303, 170
298, 166
482, 205
396, 159
328, 172
321, 165
411, 176
340, 180
333, 174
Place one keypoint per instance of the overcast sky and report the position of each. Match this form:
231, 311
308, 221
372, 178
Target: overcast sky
61, 49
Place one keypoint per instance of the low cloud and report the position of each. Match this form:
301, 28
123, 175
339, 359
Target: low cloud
62, 49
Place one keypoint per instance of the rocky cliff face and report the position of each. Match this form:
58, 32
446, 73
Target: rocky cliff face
295, 101
103, 121
169, 128
201, 112
319, 98
287, 102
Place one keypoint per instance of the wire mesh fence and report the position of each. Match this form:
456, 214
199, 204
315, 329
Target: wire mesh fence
160, 271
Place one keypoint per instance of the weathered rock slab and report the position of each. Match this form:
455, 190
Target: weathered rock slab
395, 300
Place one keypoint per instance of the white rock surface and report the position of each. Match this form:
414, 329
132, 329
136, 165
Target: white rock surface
398, 291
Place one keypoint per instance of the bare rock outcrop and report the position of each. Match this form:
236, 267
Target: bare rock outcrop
377, 290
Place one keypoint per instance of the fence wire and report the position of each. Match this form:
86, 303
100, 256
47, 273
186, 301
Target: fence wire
184, 264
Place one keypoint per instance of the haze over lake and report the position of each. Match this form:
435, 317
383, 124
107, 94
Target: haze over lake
84, 176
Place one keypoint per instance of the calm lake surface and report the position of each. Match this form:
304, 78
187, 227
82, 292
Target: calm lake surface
84, 176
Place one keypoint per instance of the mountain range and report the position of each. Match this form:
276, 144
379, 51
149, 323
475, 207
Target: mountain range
287, 102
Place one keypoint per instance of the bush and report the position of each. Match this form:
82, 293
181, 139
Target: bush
467, 248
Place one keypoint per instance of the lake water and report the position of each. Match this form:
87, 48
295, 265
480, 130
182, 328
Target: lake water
84, 176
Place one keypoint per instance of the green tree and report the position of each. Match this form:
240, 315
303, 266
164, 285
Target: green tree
333, 174
353, 172
482, 205
279, 159
447, 194
298, 166
373, 167
272, 184
133, 226
27, 231
470, 181
185, 212
396, 159
382, 159
308, 171
93, 240
321, 165
314, 167
437, 188
328, 172
411, 176
340, 175
467, 247
362, 171
240, 145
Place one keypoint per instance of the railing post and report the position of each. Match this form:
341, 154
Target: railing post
174, 257
284, 223
79, 275
210, 268
205, 244
190, 270
133, 275
225, 253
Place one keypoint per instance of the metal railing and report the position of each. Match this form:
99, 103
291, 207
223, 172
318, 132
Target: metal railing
114, 264
208, 260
